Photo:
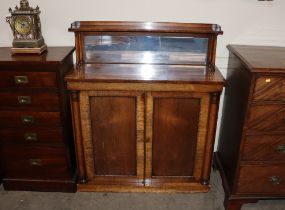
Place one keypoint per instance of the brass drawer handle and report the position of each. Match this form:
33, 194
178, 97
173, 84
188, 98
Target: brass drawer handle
267, 80
275, 180
26, 119
21, 80
31, 137
35, 162
280, 148
24, 99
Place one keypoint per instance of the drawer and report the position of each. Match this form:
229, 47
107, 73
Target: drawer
31, 136
28, 99
267, 117
34, 162
29, 119
264, 148
261, 179
270, 88
16, 79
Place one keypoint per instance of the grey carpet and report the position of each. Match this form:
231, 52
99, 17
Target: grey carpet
21, 200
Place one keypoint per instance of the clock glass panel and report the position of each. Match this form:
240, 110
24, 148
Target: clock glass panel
23, 25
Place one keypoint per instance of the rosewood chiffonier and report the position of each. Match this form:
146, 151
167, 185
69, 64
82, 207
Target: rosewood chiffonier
251, 150
144, 101
36, 141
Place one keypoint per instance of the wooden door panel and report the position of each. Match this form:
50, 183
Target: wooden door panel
176, 125
174, 136
114, 134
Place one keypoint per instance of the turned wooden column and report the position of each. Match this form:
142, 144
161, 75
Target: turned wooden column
74, 96
212, 124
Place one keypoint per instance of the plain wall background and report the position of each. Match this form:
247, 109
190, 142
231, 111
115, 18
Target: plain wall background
243, 21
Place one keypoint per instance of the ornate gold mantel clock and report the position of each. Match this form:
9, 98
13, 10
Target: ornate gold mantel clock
26, 27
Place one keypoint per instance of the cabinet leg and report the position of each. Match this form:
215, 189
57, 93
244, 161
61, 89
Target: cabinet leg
236, 204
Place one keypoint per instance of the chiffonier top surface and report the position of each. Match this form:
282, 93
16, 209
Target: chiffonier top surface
261, 58
144, 73
54, 55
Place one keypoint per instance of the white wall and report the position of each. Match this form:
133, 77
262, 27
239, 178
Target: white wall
243, 21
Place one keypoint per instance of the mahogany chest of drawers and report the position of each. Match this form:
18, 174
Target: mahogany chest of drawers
36, 138
251, 151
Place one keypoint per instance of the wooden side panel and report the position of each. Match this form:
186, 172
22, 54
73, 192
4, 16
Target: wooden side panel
174, 136
114, 134
234, 113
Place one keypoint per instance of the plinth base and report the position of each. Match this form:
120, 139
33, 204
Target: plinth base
33, 50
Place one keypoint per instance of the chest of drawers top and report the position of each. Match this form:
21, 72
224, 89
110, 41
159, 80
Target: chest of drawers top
34, 71
262, 59
266, 65
54, 55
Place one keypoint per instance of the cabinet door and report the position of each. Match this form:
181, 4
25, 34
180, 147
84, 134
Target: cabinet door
175, 137
113, 136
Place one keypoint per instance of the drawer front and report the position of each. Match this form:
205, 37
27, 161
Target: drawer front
34, 162
267, 117
16, 79
270, 88
28, 99
261, 180
31, 136
264, 148
29, 119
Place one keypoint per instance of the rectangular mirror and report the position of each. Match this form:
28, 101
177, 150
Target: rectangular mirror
150, 49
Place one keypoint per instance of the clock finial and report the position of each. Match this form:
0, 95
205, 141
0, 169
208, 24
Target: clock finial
24, 4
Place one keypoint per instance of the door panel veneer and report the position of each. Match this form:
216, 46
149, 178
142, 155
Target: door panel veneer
175, 136
113, 122
113, 135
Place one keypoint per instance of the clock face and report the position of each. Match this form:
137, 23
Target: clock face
23, 25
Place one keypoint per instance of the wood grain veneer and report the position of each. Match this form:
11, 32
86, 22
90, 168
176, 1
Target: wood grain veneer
250, 153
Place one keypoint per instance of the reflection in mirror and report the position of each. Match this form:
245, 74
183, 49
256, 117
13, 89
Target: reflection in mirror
146, 49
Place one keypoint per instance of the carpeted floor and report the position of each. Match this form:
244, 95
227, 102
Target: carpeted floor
14, 200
